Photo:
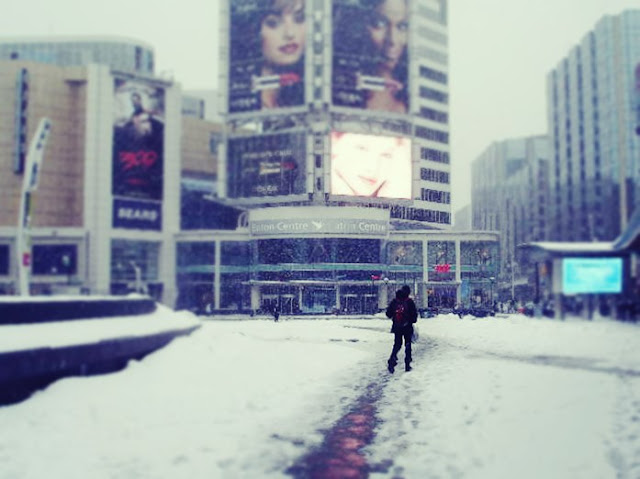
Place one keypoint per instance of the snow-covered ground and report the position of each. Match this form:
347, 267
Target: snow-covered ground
506, 397
56, 334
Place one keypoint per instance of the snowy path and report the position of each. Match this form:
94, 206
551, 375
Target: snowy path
481, 410
491, 398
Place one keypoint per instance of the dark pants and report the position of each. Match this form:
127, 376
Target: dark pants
397, 345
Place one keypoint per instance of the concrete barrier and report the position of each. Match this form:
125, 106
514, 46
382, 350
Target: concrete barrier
24, 371
40, 310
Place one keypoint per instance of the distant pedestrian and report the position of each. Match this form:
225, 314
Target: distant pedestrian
403, 313
276, 313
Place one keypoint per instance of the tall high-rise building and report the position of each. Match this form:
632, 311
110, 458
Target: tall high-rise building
509, 194
348, 102
337, 143
593, 108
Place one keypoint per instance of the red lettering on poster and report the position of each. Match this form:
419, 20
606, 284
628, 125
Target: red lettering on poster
132, 159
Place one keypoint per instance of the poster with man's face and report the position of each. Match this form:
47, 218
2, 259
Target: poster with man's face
266, 54
138, 140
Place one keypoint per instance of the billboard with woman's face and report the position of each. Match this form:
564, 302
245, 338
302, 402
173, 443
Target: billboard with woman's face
370, 54
266, 54
138, 140
370, 165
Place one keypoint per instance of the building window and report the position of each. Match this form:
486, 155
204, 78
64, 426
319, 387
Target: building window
435, 75
428, 174
138, 59
59, 259
435, 95
435, 196
434, 155
435, 115
236, 253
404, 253
419, 214
434, 135
127, 255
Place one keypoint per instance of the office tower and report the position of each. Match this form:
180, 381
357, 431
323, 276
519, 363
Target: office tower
593, 115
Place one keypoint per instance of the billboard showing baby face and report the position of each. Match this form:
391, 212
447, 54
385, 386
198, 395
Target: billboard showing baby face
370, 165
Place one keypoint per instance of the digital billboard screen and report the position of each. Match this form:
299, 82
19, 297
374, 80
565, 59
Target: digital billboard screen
138, 140
370, 165
266, 54
266, 165
370, 54
591, 275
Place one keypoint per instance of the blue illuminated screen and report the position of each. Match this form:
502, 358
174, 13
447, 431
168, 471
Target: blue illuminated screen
591, 275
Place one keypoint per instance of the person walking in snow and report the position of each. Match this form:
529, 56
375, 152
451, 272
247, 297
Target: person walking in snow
403, 313
276, 312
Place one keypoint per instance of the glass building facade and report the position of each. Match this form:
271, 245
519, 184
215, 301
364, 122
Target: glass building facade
595, 150
122, 55
336, 275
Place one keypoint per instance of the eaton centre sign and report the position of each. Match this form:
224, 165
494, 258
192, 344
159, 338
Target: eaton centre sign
320, 226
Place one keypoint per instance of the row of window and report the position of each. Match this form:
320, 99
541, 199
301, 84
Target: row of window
437, 37
434, 155
435, 75
428, 174
435, 196
433, 135
435, 115
438, 15
55, 260
435, 95
431, 54
419, 214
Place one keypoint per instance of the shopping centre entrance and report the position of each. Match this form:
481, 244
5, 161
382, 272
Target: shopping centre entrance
441, 296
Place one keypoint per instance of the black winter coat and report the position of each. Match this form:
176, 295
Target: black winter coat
411, 314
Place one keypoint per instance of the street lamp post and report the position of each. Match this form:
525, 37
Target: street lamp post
35, 157
513, 282
492, 280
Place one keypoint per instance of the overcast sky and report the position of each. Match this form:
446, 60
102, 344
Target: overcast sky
500, 54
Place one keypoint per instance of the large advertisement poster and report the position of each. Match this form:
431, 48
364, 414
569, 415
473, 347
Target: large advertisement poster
370, 54
370, 165
138, 139
266, 54
266, 165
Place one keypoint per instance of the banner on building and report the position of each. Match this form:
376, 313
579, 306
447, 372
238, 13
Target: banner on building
138, 140
137, 215
266, 165
370, 55
370, 165
266, 54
